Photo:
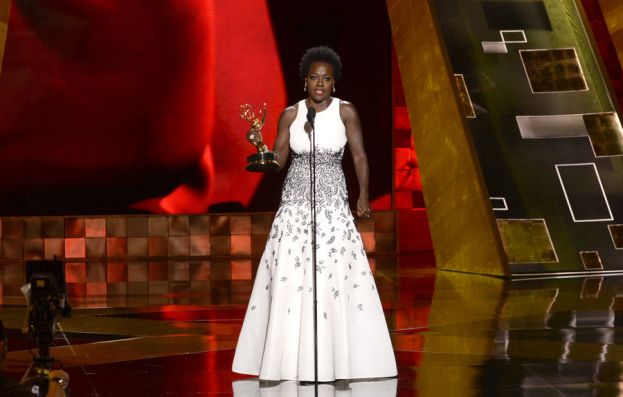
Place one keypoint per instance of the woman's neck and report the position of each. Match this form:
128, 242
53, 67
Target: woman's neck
319, 106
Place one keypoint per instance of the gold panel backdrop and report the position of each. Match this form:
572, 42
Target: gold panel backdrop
462, 224
613, 14
5, 7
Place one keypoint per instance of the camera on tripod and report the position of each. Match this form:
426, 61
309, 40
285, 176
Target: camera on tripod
46, 304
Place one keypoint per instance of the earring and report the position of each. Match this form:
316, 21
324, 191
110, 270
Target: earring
305, 88
334, 89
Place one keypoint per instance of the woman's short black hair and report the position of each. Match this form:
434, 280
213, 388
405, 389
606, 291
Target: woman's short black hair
320, 54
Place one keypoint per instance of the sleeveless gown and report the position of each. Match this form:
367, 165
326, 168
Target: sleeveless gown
276, 340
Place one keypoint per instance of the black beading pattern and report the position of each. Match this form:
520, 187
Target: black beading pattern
330, 182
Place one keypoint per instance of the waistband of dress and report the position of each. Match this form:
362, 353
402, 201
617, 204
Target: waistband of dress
322, 156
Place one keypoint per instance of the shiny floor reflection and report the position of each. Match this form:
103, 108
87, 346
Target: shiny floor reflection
454, 335
372, 388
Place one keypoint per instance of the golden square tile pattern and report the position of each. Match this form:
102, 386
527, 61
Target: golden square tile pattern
553, 70
12, 229
95, 227
142, 254
616, 232
53, 227
33, 228
605, 133
179, 225
137, 226
135, 237
526, 241
74, 227
591, 260
95, 247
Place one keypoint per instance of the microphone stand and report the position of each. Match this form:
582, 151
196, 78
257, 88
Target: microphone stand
311, 115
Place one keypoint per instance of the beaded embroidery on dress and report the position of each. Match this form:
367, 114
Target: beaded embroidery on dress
276, 340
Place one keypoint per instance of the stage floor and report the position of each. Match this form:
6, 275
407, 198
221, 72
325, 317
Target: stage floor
454, 335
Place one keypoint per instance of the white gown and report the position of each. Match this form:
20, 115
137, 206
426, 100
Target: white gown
367, 388
276, 341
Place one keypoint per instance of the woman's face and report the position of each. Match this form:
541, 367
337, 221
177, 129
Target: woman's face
320, 81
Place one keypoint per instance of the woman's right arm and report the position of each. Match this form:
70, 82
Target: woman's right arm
282, 142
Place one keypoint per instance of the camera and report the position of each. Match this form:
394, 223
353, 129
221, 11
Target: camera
46, 303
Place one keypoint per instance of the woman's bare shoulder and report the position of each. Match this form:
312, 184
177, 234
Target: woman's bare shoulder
289, 114
347, 109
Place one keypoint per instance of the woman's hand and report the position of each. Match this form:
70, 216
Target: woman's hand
363, 207
254, 136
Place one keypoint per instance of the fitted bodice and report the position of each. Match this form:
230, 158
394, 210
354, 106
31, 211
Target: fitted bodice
330, 130
330, 141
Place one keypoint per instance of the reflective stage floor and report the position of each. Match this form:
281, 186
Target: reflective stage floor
454, 335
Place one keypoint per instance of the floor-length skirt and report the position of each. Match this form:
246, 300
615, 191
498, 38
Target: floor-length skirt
277, 340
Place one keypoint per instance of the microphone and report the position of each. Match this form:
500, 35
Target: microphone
311, 115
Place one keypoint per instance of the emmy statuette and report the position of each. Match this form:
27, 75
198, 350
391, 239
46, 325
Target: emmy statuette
264, 159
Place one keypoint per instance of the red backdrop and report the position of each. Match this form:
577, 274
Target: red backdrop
132, 105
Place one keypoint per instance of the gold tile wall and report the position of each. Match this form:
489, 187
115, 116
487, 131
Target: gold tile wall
136, 254
553, 70
527, 241
605, 133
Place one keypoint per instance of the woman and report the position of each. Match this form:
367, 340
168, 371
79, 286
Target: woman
276, 341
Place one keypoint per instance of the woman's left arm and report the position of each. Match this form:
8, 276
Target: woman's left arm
350, 117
